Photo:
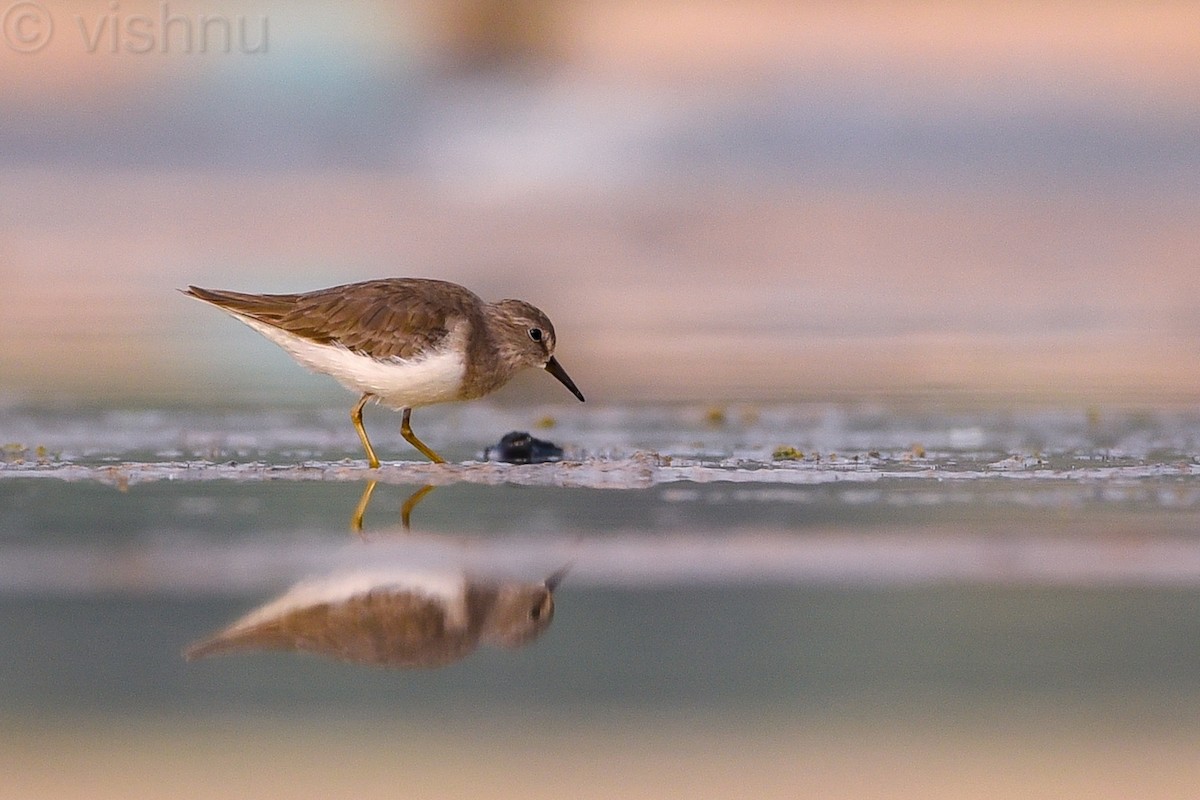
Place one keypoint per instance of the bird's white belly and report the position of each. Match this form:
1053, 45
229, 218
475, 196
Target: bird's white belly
433, 378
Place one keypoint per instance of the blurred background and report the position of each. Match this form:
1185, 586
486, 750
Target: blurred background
888, 316
753, 200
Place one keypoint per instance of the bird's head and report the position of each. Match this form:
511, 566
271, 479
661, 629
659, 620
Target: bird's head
527, 340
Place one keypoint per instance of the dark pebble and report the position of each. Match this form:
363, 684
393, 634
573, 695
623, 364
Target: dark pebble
519, 447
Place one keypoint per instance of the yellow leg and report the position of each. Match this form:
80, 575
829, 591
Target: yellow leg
407, 432
364, 501
356, 521
411, 503
356, 418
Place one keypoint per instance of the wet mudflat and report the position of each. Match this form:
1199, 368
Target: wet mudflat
792, 601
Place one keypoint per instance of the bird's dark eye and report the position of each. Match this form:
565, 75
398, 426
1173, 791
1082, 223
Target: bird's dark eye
535, 334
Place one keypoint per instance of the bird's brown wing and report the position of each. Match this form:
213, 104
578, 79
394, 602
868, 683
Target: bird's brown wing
391, 318
388, 628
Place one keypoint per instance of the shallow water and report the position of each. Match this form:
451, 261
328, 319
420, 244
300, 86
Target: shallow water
926, 603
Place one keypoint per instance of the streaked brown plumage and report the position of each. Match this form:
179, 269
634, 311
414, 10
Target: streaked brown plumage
405, 342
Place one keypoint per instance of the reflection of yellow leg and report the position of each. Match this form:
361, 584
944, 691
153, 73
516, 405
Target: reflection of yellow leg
356, 521
411, 503
360, 511
407, 432
356, 418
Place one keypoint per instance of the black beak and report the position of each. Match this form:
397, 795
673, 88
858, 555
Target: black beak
555, 369
556, 578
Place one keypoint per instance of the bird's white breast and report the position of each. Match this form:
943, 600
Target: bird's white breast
432, 378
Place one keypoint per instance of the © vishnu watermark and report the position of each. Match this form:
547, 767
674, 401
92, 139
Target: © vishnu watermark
27, 27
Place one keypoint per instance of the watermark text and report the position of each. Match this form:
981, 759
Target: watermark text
27, 27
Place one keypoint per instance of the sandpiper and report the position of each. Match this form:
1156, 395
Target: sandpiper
393, 617
403, 342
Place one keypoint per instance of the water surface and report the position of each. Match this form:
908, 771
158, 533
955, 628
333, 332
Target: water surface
905, 604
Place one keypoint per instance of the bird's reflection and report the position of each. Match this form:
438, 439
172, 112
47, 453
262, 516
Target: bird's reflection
393, 618
364, 501
515, 447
